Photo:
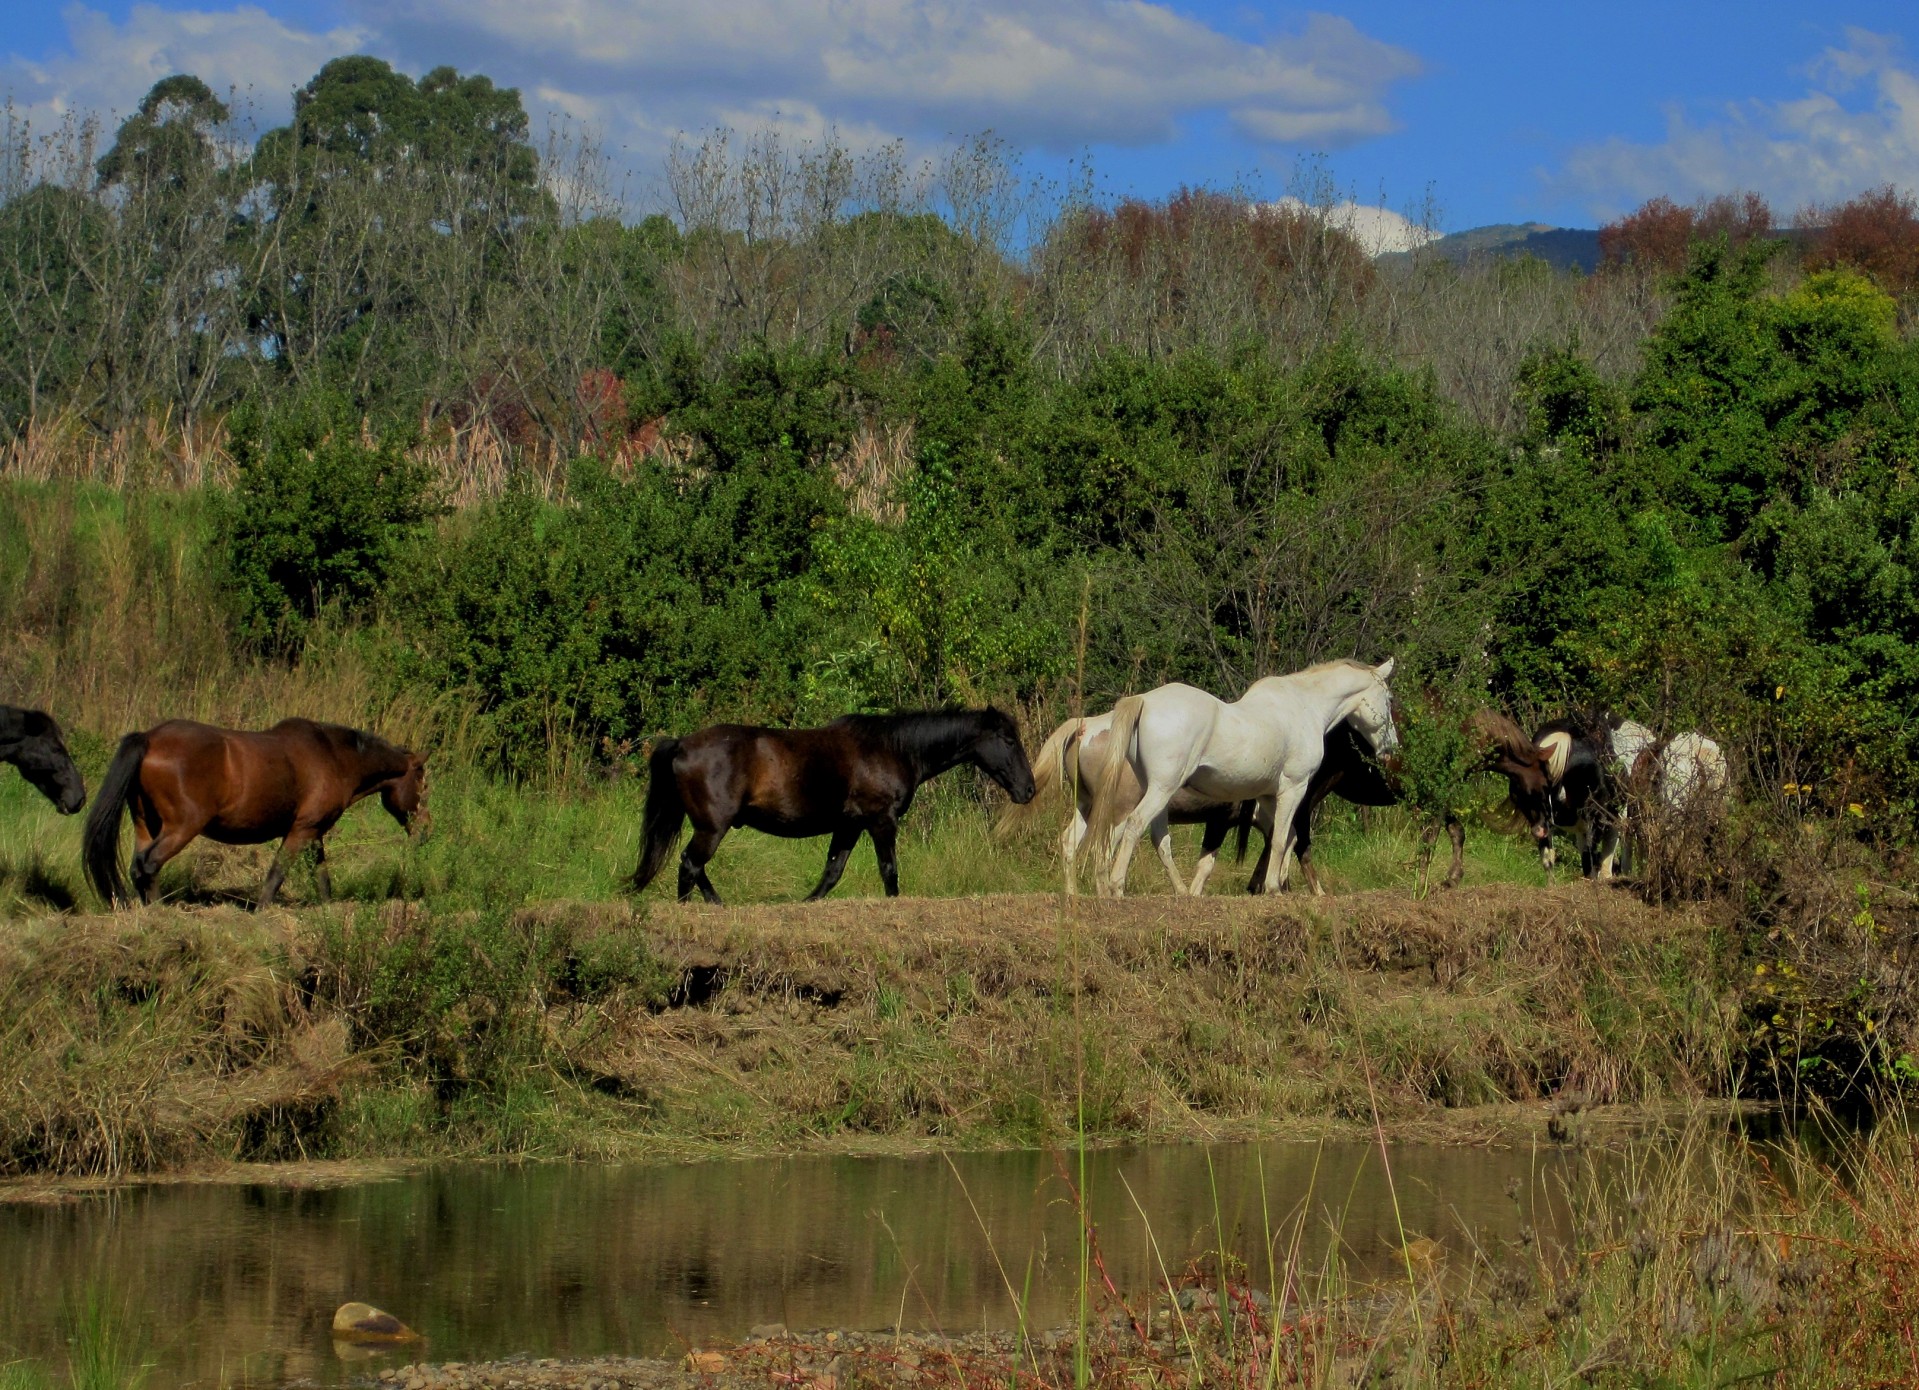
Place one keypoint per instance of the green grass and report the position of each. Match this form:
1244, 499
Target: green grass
497, 843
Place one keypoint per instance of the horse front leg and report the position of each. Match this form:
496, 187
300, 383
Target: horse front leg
297, 839
1285, 803
836, 855
693, 862
321, 877
885, 837
1457, 830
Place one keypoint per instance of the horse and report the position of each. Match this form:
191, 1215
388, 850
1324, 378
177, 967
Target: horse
1588, 791
1265, 746
1075, 754
291, 782
31, 741
856, 774
1684, 775
1351, 771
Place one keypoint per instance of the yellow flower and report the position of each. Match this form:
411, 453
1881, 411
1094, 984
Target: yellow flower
1779, 692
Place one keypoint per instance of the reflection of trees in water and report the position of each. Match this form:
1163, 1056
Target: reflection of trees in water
569, 1260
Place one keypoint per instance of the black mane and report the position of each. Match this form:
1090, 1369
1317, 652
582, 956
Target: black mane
918, 733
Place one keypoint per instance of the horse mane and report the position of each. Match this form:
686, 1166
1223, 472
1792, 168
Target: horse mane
1558, 747
1334, 664
913, 733
1504, 735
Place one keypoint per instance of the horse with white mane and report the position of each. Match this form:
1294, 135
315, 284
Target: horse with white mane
1596, 762
1264, 747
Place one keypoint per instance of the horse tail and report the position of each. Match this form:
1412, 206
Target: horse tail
1049, 772
1106, 792
1243, 819
665, 813
101, 838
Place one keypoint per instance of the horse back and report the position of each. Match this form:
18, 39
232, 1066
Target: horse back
246, 786
793, 782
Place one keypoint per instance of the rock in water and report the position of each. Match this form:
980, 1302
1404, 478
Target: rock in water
362, 1322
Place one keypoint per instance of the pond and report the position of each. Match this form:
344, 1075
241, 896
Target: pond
233, 1283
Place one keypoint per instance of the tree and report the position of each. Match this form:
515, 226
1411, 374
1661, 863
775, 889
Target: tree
1877, 232
167, 146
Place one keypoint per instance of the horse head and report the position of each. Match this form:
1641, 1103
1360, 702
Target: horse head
1372, 712
998, 752
42, 757
405, 797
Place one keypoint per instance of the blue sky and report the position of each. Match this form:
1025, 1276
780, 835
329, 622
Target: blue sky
1502, 112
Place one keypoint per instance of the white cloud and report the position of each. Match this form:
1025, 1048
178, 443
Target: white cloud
109, 66
1856, 127
1378, 230
1057, 74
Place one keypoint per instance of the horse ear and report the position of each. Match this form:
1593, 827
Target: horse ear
1385, 668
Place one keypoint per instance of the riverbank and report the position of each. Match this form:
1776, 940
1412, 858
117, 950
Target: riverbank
172, 1038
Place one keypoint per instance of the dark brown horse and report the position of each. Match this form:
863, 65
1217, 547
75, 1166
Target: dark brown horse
857, 774
290, 783
31, 741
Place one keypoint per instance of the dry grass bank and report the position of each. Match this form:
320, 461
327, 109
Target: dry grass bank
167, 1037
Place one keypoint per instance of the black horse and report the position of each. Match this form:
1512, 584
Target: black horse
31, 741
856, 774
1588, 792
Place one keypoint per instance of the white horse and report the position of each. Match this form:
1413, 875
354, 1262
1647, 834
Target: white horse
1265, 746
1074, 758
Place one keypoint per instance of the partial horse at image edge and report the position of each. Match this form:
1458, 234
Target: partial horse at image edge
31, 740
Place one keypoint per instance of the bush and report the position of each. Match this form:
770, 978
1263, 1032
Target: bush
316, 516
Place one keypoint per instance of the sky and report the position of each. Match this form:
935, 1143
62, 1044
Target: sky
1464, 114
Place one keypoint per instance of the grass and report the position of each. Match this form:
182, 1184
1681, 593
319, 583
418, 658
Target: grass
150, 1039
496, 842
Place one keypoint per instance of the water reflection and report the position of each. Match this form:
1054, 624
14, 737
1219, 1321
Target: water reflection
239, 1284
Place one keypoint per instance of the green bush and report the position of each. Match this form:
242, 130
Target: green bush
316, 516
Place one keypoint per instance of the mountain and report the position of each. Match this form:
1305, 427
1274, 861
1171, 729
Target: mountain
1563, 247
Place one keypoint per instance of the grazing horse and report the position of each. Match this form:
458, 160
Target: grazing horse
1685, 775
291, 783
1265, 746
31, 741
856, 774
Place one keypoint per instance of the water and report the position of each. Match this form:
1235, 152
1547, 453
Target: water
239, 1283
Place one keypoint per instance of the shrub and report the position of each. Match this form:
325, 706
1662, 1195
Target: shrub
316, 516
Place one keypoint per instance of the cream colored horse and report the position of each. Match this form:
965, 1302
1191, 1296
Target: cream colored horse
1074, 759
1264, 746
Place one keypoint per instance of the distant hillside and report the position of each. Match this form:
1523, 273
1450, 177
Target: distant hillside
1564, 247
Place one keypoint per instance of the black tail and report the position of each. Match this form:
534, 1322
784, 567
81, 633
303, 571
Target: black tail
665, 812
1243, 818
102, 835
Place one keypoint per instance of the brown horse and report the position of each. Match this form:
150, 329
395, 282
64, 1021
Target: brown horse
291, 783
857, 774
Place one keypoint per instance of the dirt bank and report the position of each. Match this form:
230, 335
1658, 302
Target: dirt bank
177, 1037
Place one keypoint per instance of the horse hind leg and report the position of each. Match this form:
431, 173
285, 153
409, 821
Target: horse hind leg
152, 851
297, 839
693, 861
836, 856
1161, 830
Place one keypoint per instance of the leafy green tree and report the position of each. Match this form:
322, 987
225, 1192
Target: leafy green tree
316, 517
